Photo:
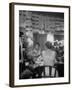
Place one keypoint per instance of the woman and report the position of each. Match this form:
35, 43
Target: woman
38, 60
49, 57
33, 66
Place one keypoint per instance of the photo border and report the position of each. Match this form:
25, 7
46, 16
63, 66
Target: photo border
12, 47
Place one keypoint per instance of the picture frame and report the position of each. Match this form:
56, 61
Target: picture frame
17, 26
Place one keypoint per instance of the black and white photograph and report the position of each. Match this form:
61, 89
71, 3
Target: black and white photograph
39, 45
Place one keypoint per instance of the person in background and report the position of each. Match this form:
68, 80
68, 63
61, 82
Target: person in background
60, 63
49, 57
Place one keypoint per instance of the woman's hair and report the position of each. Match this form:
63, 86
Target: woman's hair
48, 45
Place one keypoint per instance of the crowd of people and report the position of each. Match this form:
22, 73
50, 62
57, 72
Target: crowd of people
39, 63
